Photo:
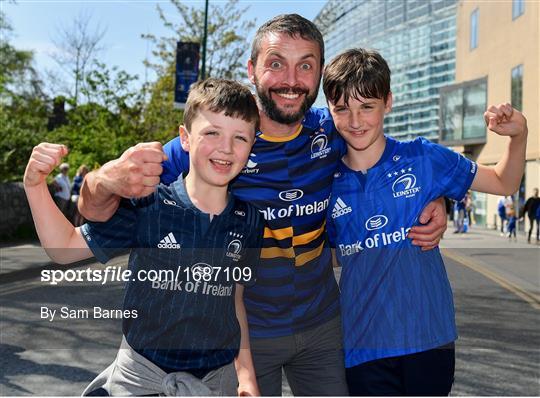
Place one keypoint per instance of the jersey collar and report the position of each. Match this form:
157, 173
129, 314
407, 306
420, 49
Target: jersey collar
282, 139
181, 195
388, 153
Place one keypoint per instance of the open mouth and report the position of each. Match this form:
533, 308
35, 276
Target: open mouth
290, 94
221, 162
221, 165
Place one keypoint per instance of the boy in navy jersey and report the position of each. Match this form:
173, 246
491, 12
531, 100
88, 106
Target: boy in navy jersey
183, 332
396, 302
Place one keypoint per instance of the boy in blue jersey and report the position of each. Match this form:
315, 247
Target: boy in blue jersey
396, 301
185, 333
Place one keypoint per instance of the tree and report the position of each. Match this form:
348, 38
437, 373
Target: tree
23, 107
227, 45
227, 37
78, 44
107, 124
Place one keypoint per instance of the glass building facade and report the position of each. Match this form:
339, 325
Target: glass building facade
417, 39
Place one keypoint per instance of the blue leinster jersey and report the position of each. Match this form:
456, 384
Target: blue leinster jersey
395, 299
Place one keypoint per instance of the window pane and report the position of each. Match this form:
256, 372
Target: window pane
517, 87
474, 105
518, 8
451, 114
474, 29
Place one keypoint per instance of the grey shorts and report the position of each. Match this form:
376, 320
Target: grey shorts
131, 374
312, 361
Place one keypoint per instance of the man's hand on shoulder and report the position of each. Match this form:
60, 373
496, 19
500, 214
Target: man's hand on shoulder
135, 174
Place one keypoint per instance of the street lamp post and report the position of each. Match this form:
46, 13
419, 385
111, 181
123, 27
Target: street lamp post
205, 37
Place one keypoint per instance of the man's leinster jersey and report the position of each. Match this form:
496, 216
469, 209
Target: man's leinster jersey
184, 272
289, 180
395, 298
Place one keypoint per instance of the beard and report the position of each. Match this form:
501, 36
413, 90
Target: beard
269, 107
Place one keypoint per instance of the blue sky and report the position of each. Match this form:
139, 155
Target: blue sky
35, 23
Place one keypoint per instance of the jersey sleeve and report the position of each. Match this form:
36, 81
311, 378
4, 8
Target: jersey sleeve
253, 252
110, 238
453, 173
177, 161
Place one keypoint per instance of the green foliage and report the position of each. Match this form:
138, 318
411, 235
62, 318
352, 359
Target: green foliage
23, 125
101, 130
227, 45
114, 114
227, 37
23, 113
161, 119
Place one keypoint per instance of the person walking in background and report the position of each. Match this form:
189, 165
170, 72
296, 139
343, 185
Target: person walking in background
469, 208
459, 216
502, 207
531, 208
62, 188
75, 192
537, 222
512, 220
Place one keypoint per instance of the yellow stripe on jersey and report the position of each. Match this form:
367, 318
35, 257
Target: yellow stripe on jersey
282, 139
306, 257
278, 234
308, 237
288, 252
273, 252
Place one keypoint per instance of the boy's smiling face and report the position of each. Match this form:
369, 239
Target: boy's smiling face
360, 121
218, 146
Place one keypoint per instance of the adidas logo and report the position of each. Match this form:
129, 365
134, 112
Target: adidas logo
168, 242
340, 208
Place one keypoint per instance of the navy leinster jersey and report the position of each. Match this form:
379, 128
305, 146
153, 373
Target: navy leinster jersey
289, 180
184, 270
395, 298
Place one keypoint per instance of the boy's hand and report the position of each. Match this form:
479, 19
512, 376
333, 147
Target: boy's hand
248, 389
505, 120
136, 173
45, 157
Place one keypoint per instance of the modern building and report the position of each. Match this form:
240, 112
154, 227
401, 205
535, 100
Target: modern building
497, 60
417, 38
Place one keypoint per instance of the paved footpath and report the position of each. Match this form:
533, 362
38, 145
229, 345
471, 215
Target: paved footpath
515, 265
496, 289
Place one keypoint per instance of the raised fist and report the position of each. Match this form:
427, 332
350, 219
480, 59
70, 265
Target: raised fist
45, 157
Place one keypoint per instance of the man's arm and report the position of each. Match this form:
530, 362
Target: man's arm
247, 381
61, 240
135, 174
429, 235
504, 178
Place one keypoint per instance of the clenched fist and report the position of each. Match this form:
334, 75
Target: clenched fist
505, 120
45, 157
136, 173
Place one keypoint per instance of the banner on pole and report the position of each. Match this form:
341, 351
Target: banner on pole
187, 71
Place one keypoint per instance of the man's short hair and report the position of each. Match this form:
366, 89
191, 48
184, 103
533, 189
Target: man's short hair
358, 73
292, 25
220, 95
